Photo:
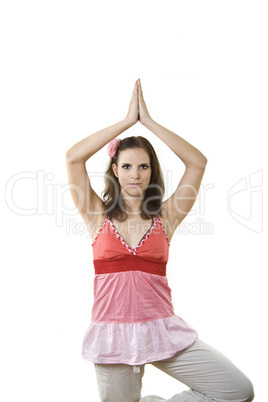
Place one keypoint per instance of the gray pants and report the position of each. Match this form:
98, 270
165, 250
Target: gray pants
209, 375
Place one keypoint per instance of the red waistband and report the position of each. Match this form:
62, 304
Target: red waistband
129, 263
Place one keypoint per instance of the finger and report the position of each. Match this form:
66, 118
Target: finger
140, 89
137, 90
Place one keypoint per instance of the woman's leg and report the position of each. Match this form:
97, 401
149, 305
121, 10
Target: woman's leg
119, 382
208, 373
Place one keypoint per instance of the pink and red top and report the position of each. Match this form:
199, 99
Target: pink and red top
133, 320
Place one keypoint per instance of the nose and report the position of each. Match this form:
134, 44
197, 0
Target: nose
135, 173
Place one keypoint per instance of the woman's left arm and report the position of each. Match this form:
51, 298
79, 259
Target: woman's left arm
181, 201
189, 155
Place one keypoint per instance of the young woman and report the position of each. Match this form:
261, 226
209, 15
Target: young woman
133, 320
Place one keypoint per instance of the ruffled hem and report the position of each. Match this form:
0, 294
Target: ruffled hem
137, 343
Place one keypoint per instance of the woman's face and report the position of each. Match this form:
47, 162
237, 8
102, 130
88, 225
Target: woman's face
133, 171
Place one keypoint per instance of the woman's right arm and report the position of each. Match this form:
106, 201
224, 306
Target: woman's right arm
84, 149
87, 202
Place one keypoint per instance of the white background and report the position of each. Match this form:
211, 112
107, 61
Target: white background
68, 69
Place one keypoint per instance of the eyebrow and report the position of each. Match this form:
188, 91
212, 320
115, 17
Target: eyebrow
127, 163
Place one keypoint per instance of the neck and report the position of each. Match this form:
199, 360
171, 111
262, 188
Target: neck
133, 206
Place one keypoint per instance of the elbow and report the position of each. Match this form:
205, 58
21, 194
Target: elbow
72, 157
205, 162
69, 157
202, 163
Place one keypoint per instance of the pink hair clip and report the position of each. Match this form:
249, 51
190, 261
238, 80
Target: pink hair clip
112, 147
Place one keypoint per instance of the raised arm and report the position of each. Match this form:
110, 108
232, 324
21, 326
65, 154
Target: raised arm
188, 154
84, 149
176, 207
87, 202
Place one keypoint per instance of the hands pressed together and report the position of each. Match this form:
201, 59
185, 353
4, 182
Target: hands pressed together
137, 107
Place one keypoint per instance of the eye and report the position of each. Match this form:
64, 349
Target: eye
144, 166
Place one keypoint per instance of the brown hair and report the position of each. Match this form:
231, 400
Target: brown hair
114, 206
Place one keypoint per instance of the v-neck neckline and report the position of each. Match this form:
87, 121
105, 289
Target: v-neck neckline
141, 240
